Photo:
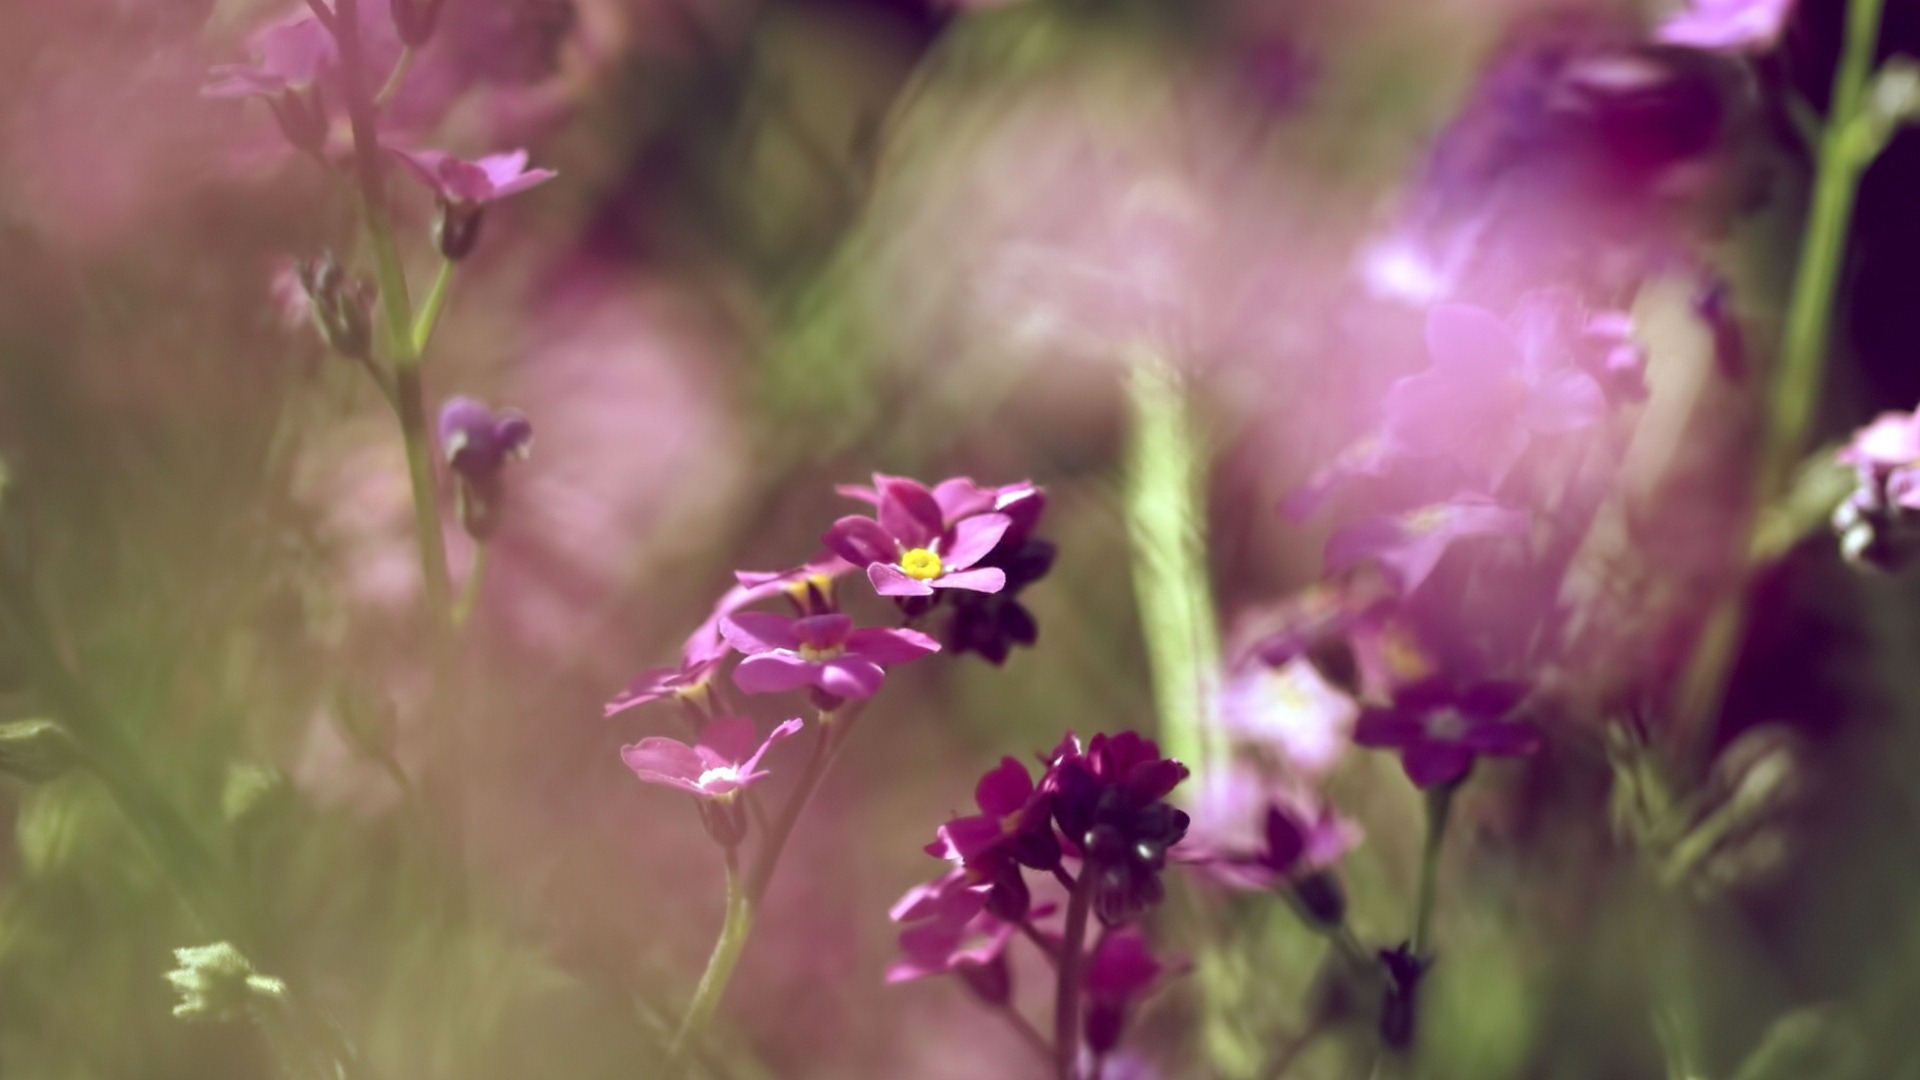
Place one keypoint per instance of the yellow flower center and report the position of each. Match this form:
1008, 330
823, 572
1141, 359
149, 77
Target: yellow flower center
920, 564
809, 652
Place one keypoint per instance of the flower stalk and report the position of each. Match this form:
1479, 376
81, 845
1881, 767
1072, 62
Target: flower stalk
726, 956
1073, 955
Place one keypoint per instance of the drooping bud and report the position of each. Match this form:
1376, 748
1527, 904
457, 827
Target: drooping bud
991, 982
477, 442
302, 116
456, 229
341, 305
217, 982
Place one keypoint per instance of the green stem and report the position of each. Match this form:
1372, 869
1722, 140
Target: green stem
1845, 148
1166, 524
470, 588
429, 316
1073, 956
1439, 809
726, 954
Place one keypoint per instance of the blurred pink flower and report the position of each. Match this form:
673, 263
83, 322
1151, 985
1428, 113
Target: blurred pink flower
1291, 708
471, 184
1409, 544
290, 55
1726, 25
723, 761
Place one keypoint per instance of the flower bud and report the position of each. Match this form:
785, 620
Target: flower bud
1319, 899
36, 750
217, 982
991, 982
457, 229
302, 116
1106, 1022
341, 305
726, 820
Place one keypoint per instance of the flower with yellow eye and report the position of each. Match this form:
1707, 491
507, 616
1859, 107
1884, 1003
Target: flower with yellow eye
909, 548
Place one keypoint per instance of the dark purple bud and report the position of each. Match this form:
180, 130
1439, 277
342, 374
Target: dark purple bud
1009, 899
725, 819
1106, 1022
1320, 900
1397, 1011
477, 442
457, 229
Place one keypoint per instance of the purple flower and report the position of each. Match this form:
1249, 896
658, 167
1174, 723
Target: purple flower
1439, 730
689, 681
1253, 833
477, 442
466, 188
908, 549
951, 931
1012, 830
723, 761
821, 651
1121, 970
814, 578
1727, 25
1487, 394
1109, 803
991, 624
1408, 545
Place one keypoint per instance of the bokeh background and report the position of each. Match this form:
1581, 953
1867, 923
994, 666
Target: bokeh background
793, 242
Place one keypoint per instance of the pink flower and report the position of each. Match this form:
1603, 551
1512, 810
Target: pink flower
1291, 708
723, 761
1727, 25
473, 183
705, 643
1408, 545
822, 651
909, 549
688, 681
291, 55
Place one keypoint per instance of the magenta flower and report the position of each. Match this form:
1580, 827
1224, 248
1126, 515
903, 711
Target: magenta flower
689, 681
751, 586
724, 760
466, 188
1254, 834
821, 651
1439, 730
1408, 545
950, 929
1727, 25
1109, 803
1012, 830
1487, 393
908, 549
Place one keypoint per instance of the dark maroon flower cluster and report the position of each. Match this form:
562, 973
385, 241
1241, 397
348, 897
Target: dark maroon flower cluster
1097, 822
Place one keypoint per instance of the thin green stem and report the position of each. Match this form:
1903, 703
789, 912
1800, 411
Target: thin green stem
1846, 147
429, 317
1073, 956
470, 588
726, 955
1439, 809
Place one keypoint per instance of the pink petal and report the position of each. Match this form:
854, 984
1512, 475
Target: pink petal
1004, 790
754, 632
1568, 401
823, 631
960, 497
786, 728
660, 760
532, 178
990, 580
502, 167
728, 739
849, 677
973, 539
909, 512
1471, 341
884, 646
1427, 764
861, 541
890, 580
773, 673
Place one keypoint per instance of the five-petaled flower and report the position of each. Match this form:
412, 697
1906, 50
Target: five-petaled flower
291, 59
1012, 830
723, 760
1408, 545
1440, 729
909, 549
822, 651
688, 682
465, 188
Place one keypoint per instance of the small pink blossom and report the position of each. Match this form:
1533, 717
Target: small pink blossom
1727, 25
909, 548
473, 183
723, 761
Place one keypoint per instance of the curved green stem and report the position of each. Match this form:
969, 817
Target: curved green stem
726, 955
1846, 147
470, 588
429, 316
